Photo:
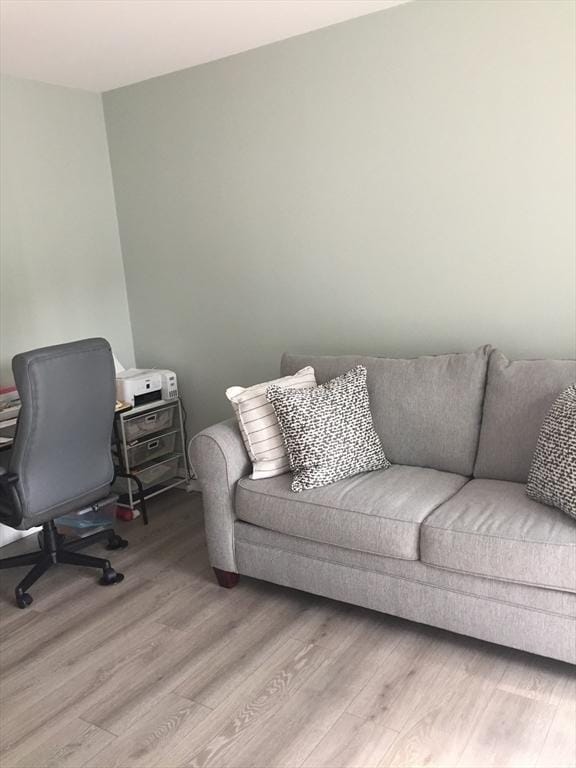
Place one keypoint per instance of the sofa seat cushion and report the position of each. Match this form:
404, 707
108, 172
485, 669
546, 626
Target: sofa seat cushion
378, 512
491, 528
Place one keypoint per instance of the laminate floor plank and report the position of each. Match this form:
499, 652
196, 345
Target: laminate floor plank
352, 742
168, 670
65, 745
510, 732
21, 716
320, 624
147, 559
174, 657
12, 621
394, 691
145, 745
236, 654
122, 701
204, 600
538, 678
559, 746
248, 711
438, 727
306, 717
88, 637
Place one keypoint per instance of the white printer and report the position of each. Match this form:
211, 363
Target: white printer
138, 386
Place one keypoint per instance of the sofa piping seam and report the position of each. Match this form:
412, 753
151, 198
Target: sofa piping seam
493, 536
554, 587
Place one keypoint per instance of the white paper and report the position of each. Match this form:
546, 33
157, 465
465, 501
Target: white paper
118, 367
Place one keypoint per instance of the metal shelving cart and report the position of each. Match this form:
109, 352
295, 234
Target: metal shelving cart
150, 452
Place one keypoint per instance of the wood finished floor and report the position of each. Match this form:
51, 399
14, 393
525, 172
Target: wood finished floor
169, 670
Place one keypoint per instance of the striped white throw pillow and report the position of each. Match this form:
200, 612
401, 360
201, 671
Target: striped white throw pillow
259, 426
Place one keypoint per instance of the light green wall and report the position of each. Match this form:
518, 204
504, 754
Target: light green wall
61, 270
398, 184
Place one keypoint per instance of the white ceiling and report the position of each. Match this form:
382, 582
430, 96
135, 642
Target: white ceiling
98, 45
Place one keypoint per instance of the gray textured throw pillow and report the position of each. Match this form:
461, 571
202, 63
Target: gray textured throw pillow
552, 478
328, 430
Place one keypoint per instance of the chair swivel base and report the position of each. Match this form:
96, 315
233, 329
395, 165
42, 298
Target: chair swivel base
55, 551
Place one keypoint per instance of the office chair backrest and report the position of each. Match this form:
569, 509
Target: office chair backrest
61, 449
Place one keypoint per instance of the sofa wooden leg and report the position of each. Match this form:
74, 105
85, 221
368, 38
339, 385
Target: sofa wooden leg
227, 579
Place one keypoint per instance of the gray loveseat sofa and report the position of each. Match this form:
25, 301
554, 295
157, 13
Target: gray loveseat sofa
447, 536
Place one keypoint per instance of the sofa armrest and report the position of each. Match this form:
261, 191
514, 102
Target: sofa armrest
219, 458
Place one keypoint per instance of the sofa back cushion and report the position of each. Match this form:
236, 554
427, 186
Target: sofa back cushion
519, 395
426, 410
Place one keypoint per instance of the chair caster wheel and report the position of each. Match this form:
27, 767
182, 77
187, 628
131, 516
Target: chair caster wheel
23, 600
116, 542
109, 576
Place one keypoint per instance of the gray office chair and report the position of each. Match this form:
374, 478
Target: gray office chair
61, 460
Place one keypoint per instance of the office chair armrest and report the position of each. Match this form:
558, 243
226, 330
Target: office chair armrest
7, 478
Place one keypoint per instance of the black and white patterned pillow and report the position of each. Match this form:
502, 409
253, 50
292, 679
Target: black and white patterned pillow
328, 430
552, 478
